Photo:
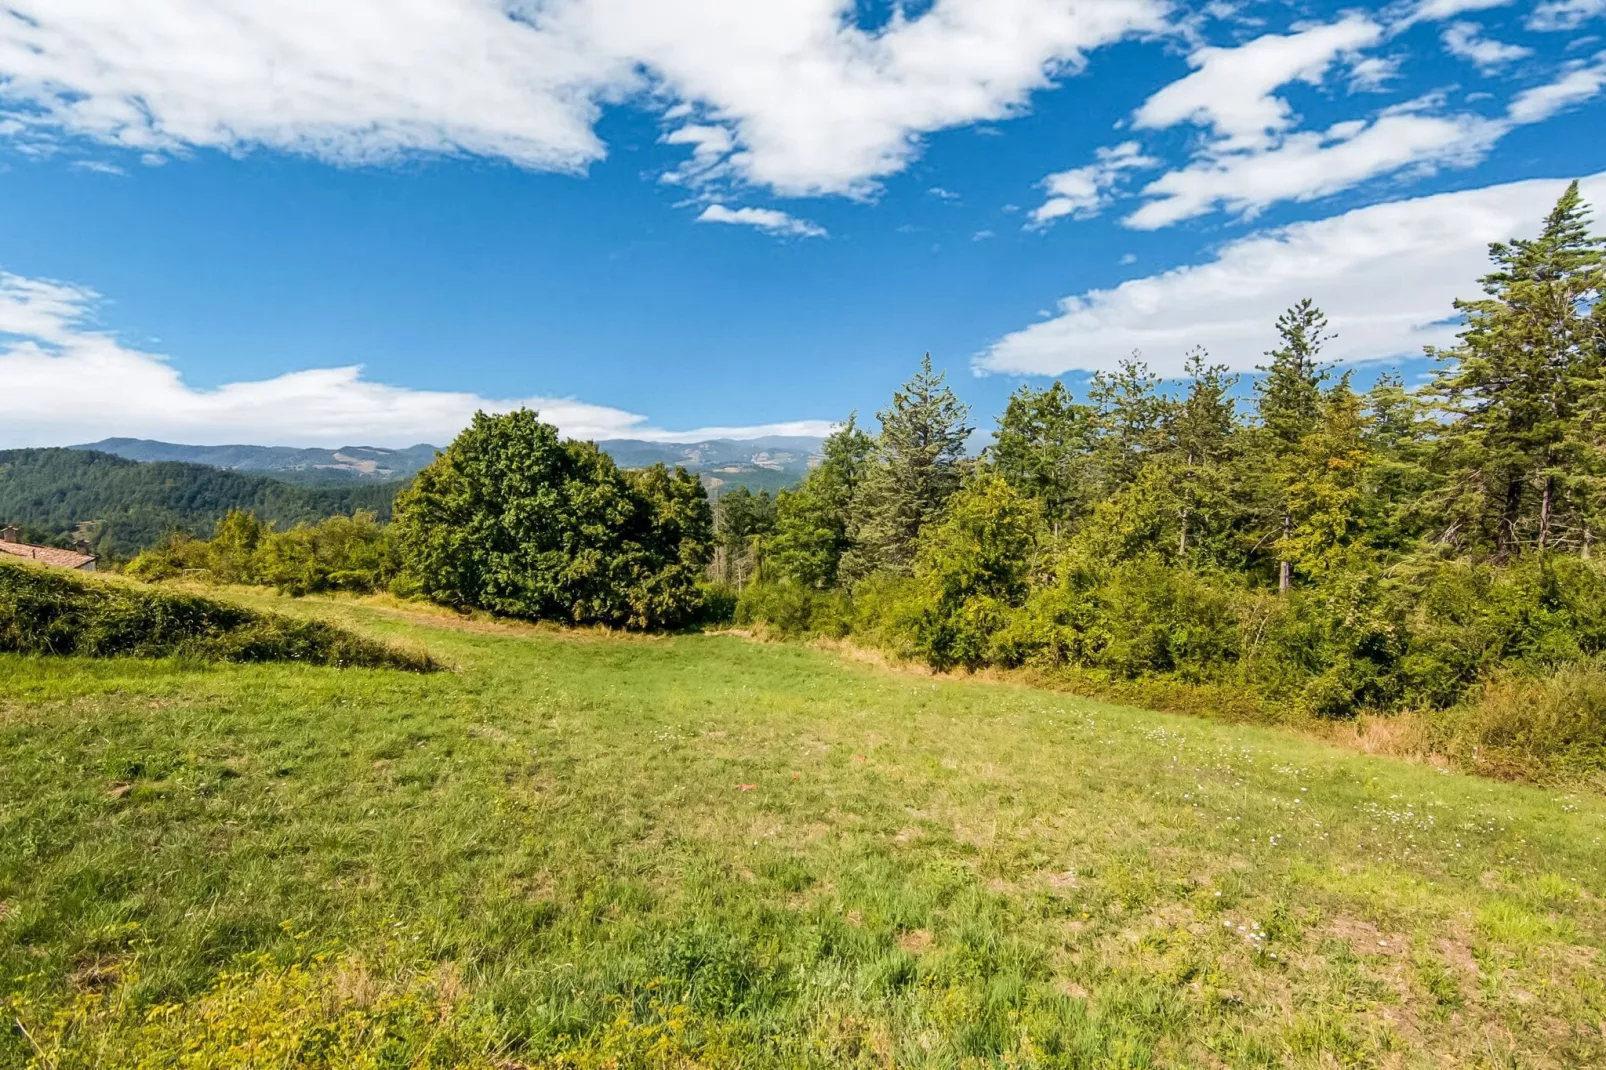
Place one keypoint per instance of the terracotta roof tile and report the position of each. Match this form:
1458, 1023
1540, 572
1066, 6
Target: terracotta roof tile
47, 555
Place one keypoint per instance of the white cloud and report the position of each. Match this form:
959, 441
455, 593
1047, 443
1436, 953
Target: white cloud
99, 167
1372, 74
1564, 14
1465, 40
1312, 164
1576, 86
806, 100
351, 81
1385, 275
66, 381
1231, 89
1434, 10
1305, 165
765, 219
1083, 191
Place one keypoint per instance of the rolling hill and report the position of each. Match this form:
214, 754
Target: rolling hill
124, 505
768, 463
290, 464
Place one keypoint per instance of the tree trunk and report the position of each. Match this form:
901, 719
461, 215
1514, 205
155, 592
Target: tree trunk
1182, 543
1285, 567
1546, 499
1506, 537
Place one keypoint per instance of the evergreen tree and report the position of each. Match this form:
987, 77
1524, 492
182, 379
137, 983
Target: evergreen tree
1518, 383
1400, 428
1130, 423
1043, 448
1202, 435
811, 521
918, 465
741, 520
1330, 493
1289, 404
1180, 505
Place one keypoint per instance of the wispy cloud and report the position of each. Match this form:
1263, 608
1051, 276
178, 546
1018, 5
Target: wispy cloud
67, 381
1466, 40
770, 220
1554, 15
1083, 191
1256, 159
1435, 10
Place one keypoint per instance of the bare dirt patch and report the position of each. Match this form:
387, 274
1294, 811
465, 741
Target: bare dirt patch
915, 942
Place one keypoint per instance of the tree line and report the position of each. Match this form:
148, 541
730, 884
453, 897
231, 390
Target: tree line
1351, 549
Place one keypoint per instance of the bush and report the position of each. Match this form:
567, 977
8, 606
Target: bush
340, 553
49, 612
1555, 725
791, 609
1132, 619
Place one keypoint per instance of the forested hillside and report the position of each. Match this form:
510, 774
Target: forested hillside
128, 505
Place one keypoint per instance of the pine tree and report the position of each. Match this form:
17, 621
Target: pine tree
1289, 404
1043, 448
1130, 422
918, 466
1202, 432
1399, 434
1330, 499
1518, 383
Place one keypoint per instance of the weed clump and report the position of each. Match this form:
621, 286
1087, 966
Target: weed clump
44, 612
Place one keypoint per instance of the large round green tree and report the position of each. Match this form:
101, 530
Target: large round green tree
514, 520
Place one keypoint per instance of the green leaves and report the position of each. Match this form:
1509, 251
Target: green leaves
512, 520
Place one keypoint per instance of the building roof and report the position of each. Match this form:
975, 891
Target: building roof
47, 555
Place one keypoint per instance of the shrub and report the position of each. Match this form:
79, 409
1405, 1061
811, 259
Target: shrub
1555, 724
970, 571
340, 553
791, 609
49, 612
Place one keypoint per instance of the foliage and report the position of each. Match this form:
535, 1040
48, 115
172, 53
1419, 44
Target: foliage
513, 520
1524, 384
972, 568
917, 466
741, 520
1325, 550
340, 553
128, 506
45, 611
811, 522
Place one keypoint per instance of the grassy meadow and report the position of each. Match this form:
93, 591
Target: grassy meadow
583, 850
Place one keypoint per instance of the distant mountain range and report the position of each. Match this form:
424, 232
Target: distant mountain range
285, 463
768, 463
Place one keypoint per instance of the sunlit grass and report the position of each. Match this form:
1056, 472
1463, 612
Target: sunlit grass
576, 848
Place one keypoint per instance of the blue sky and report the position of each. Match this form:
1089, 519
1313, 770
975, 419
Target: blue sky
306, 223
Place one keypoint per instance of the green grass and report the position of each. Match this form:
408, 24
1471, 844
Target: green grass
546, 857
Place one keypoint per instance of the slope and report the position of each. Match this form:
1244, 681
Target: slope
580, 850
